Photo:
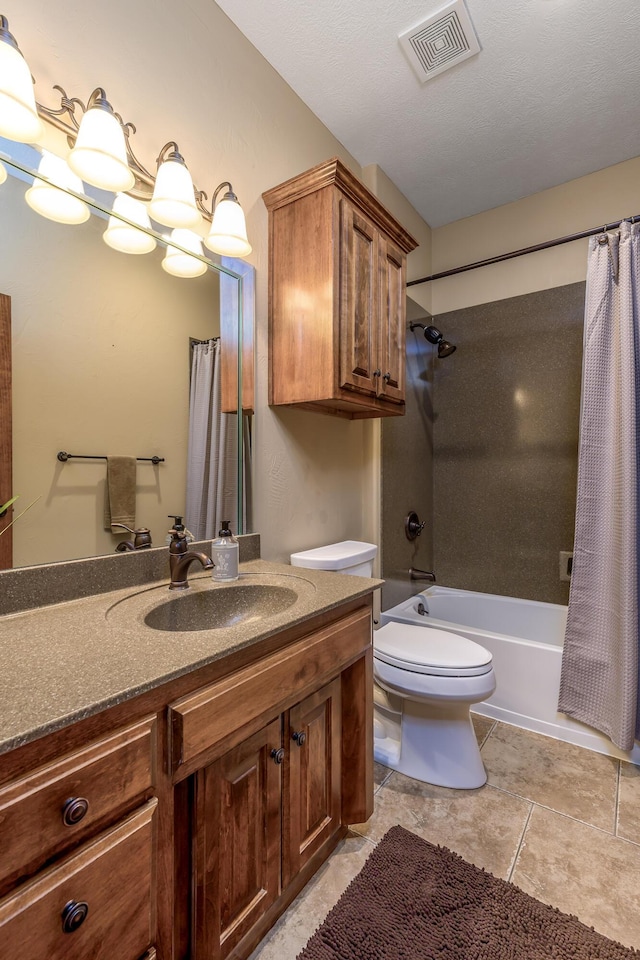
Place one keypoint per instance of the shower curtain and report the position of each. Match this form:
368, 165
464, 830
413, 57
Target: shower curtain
212, 492
599, 681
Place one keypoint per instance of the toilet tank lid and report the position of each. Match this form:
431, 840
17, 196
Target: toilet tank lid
335, 556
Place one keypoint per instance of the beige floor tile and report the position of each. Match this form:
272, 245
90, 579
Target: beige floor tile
287, 938
484, 826
569, 779
582, 871
482, 726
380, 773
629, 802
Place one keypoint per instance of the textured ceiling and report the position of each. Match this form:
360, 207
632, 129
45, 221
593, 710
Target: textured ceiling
553, 94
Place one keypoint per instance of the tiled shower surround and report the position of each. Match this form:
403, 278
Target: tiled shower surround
491, 433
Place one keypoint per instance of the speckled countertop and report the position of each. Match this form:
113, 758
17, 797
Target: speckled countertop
64, 662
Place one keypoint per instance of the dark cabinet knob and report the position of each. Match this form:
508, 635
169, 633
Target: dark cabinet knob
74, 915
299, 737
376, 373
277, 755
387, 377
74, 811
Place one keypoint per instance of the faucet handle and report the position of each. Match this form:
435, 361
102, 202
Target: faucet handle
141, 536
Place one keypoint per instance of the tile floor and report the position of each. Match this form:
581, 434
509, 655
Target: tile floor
559, 821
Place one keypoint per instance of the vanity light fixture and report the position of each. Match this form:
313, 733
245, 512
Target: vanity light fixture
102, 155
19, 118
228, 233
121, 235
99, 155
49, 197
3, 173
181, 264
173, 202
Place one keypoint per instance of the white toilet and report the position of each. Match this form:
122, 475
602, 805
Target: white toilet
426, 681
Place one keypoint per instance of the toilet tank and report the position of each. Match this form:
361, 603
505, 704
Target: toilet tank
349, 556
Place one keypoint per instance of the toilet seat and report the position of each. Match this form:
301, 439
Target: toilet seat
430, 651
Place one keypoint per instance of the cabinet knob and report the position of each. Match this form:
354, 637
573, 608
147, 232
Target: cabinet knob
74, 810
277, 755
299, 737
376, 373
387, 377
74, 915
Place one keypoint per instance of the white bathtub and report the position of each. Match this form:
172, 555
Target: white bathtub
525, 639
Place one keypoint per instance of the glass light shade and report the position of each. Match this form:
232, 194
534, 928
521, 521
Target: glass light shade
19, 118
122, 236
173, 203
100, 155
228, 234
45, 197
180, 264
3, 173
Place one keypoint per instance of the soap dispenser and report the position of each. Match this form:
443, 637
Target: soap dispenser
180, 527
224, 553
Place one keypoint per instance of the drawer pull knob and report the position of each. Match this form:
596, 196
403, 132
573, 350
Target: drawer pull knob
74, 915
376, 373
74, 811
277, 755
299, 737
387, 377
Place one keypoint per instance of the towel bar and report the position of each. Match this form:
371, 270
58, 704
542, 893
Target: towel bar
63, 457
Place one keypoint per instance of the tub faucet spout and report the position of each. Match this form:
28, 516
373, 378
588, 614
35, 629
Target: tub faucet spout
415, 574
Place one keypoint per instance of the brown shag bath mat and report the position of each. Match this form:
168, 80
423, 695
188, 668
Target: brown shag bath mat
415, 901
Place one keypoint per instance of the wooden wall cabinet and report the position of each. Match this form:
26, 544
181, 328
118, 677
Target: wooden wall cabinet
337, 273
180, 824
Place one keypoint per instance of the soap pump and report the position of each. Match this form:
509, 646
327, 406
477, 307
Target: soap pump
224, 553
179, 526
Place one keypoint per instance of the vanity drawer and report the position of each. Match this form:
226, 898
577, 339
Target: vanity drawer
202, 719
58, 805
98, 903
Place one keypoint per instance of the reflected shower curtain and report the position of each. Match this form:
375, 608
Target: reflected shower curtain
599, 681
211, 456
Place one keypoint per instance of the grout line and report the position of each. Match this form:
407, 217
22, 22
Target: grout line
517, 853
617, 803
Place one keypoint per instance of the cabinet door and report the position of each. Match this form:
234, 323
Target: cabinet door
238, 842
392, 269
313, 813
359, 302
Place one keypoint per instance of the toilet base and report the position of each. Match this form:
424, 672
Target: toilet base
430, 741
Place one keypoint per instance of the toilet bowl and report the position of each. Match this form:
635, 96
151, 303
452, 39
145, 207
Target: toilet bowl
431, 678
425, 683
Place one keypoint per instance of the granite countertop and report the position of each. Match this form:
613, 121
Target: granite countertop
67, 661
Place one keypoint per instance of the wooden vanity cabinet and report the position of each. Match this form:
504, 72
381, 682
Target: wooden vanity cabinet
179, 824
337, 273
269, 799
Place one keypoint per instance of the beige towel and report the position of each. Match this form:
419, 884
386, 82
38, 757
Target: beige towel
120, 499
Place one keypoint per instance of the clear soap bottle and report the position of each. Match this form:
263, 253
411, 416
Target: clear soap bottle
224, 553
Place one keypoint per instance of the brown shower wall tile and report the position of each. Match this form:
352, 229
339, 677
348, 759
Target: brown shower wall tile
505, 438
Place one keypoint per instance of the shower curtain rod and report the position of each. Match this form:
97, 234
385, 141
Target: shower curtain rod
521, 253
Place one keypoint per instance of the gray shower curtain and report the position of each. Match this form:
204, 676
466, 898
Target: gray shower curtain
212, 489
599, 681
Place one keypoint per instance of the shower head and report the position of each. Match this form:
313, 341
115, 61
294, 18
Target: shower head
433, 335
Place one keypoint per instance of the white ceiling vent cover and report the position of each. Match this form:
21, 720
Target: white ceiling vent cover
441, 41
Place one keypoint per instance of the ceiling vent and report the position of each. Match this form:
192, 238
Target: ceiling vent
441, 41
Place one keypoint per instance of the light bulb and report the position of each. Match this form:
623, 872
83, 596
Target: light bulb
173, 202
49, 197
180, 264
19, 118
122, 236
228, 233
99, 155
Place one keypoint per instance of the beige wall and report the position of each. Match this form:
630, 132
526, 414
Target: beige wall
602, 197
185, 73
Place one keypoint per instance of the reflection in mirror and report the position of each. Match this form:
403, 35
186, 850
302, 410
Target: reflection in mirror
100, 367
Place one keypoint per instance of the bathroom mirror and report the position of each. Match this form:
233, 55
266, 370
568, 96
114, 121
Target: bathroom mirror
100, 366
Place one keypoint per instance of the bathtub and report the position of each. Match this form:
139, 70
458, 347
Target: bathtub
525, 639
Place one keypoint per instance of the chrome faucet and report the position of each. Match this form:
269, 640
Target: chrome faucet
180, 559
141, 538
415, 574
